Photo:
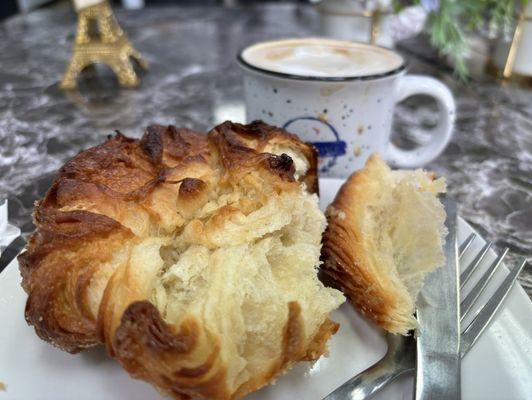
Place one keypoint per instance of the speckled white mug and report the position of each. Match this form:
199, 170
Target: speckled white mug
346, 117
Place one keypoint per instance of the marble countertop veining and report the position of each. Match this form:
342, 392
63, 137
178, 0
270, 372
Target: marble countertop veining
194, 82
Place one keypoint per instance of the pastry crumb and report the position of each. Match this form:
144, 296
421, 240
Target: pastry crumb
333, 212
3, 387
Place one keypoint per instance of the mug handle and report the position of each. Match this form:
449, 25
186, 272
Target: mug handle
410, 85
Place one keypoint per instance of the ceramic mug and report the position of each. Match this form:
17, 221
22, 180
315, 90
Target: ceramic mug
344, 111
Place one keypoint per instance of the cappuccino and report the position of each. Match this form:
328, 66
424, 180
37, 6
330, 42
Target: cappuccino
321, 58
340, 96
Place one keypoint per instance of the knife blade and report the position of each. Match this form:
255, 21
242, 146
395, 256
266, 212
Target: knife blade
438, 315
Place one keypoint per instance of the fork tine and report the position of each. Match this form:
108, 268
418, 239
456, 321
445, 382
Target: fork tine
464, 276
477, 290
466, 244
482, 319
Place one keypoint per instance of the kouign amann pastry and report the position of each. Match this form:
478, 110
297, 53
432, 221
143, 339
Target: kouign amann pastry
193, 258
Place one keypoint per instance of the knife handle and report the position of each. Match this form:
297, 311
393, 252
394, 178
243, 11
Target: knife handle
439, 379
438, 315
11, 252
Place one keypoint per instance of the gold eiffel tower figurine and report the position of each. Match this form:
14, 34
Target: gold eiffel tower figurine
112, 47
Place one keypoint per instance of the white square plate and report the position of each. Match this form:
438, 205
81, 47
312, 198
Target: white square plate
498, 367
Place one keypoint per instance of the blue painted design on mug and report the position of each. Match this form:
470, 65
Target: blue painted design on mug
328, 149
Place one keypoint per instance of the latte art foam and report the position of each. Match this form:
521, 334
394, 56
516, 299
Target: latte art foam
321, 58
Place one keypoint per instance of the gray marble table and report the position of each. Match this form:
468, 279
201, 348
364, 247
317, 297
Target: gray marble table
194, 82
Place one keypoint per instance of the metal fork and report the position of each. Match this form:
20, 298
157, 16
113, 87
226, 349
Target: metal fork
400, 357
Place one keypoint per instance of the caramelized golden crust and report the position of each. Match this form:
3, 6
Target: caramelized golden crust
117, 202
57, 267
243, 147
152, 350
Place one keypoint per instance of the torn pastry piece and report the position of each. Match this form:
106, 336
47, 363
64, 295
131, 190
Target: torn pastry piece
385, 234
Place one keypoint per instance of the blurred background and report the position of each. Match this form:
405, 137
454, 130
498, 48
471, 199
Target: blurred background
472, 35
11, 7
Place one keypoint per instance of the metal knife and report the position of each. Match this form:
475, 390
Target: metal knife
438, 315
11, 251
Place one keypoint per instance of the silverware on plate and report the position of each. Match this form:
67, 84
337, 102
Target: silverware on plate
401, 355
8, 234
11, 240
10, 252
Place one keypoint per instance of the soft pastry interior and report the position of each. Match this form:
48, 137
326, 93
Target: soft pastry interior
385, 234
193, 258
238, 276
